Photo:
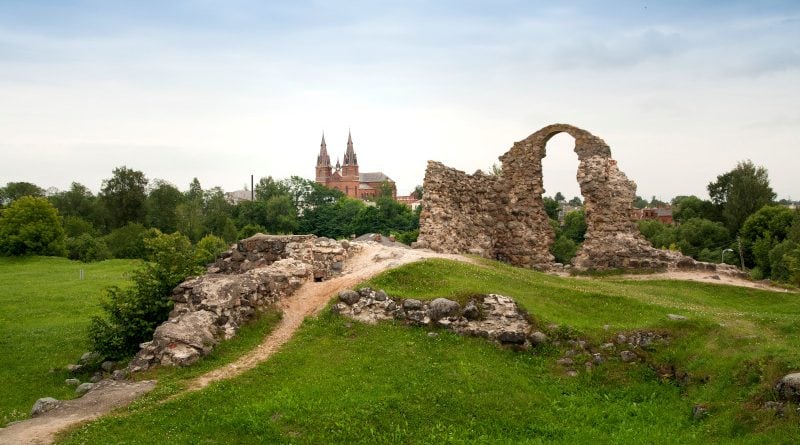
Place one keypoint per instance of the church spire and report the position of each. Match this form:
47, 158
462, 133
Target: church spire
350, 154
323, 160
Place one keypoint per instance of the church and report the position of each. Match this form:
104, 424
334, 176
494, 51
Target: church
346, 178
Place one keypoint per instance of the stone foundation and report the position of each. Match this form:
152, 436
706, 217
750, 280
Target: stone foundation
503, 217
256, 273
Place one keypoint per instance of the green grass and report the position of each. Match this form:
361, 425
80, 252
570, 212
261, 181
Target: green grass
44, 310
339, 381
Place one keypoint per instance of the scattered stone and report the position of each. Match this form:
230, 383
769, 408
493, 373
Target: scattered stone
442, 307
627, 356
433, 334
566, 361
119, 374
72, 382
471, 311
108, 365
89, 357
348, 296
538, 338
44, 405
621, 338
714, 277
96, 377
778, 407
676, 317
607, 346
412, 304
606, 327
512, 337
74, 368
83, 388
588, 366
788, 388
699, 411
570, 353
380, 295
572, 373
597, 358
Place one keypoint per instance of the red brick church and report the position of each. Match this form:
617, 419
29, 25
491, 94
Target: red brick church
346, 177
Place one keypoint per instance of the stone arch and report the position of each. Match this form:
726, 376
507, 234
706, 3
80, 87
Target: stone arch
503, 216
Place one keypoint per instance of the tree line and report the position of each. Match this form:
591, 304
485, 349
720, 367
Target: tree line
129, 209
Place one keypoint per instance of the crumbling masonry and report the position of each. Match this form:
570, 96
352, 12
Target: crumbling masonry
503, 216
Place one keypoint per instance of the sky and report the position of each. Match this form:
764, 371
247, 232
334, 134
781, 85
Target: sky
680, 90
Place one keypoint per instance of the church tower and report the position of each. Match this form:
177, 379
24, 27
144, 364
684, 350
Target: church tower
350, 165
323, 163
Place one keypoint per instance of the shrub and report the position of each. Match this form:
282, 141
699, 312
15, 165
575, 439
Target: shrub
208, 248
564, 249
131, 315
129, 241
250, 230
31, 226
87, 248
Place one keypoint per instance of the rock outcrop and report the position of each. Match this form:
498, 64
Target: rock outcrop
503, 217
257, 272
494, 317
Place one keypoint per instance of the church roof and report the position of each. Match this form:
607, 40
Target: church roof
363, 186
373, 177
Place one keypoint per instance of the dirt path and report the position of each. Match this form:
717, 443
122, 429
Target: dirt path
312, 297
308, 300
107, 396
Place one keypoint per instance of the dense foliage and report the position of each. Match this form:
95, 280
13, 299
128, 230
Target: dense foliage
132, 314
31, 226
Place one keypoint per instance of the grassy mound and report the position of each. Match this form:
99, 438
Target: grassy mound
339, 381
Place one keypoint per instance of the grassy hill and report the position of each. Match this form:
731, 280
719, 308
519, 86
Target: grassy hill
339, 381
45, 308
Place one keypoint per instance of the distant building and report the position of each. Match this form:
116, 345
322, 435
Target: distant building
346, 177
237, 196
660, 214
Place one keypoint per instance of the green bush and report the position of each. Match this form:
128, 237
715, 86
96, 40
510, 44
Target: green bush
250, 230
129, 240
564, 249
31, 226
209, 248
87, 248
75, 226
131, 315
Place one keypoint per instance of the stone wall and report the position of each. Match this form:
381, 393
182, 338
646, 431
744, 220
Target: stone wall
256, 273
503, 216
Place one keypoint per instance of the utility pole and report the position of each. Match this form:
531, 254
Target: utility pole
252, 190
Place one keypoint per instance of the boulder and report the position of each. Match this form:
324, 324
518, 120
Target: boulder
89, 357
411, 304
108, 365
348, 296
538, 338
627, 356
72, 382
380, 295
83, 388
44, 405
511, 337
788, 388
471, 311
442, 307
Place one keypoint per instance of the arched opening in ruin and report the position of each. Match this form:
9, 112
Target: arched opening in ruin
562, 196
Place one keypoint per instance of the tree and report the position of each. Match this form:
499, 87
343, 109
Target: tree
132, 314
697, 234
208, 248
31, 226
15, 190
639, 202
218, 215
267, 188
575, 226
124, 196
551, 207
162, 203
685, 208
763, 231
575, 201
740, 193
417, 193
559, 197
130, 241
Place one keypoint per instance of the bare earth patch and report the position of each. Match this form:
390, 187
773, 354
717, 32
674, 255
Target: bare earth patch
704, 277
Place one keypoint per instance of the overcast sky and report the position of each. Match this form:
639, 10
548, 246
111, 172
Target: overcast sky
680, 90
